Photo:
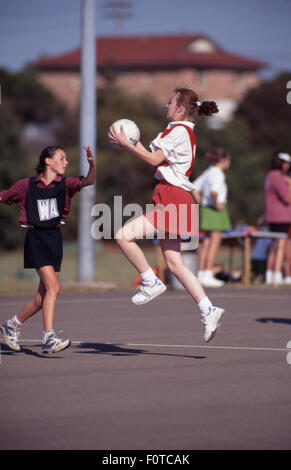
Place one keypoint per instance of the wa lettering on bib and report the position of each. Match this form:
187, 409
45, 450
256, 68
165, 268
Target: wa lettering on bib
47, 209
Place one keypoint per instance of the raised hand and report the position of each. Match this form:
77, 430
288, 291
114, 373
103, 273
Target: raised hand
118, 138
90, 156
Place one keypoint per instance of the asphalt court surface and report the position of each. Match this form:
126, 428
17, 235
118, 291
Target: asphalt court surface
142, 377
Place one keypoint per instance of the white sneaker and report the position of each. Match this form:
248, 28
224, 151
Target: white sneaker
212, 321
53, 344
200, 276
147, 293
269, 277
10, 336
211, 281
278, 278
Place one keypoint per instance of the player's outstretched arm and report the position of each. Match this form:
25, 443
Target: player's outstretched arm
90, 178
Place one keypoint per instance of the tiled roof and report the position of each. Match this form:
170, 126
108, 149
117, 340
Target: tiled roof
152, 52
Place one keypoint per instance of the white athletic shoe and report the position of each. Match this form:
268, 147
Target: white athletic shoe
211, 281
269, 277
147, 293
212, 321
10, 336
54, 344
200, 276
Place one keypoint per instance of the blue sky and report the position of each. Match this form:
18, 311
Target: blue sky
256, 28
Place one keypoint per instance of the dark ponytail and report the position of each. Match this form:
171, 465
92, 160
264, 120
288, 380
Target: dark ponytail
189, 99
48, 152
208, 108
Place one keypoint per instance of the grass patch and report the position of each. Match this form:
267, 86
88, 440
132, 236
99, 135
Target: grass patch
111, 266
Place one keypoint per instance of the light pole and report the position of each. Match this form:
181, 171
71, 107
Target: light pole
86, 244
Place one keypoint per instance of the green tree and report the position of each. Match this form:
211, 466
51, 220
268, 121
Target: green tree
23, 100
30, 101
13, 165
268, 115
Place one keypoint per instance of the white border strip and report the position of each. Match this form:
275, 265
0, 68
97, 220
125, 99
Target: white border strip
181, 346
208, 347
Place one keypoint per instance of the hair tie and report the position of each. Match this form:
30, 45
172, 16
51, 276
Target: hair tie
198, 103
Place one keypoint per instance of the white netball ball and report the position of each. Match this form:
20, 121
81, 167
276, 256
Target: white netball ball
130, 128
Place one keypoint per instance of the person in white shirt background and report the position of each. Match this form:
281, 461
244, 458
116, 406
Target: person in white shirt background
210, 190
172, 154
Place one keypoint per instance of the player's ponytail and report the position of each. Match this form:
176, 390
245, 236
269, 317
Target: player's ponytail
208, 108
47, 152
189, 99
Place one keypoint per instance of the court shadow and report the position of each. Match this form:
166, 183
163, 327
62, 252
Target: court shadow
285, 321
118, 350
30, 352
175, 355
104, 348
6, 351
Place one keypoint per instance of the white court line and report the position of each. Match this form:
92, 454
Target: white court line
208, 347
181, 346
184, 296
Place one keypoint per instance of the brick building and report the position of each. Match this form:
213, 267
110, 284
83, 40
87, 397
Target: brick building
156, 65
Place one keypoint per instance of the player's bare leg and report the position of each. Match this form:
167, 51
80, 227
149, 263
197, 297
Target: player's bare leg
151, 286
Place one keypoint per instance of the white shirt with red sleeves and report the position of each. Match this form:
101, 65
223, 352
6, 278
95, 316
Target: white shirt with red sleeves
179, 154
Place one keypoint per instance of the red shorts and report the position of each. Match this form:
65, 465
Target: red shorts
175, 211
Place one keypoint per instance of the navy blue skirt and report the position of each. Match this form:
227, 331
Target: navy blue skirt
43, 248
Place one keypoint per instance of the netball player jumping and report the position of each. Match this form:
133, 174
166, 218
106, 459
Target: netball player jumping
172, 154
